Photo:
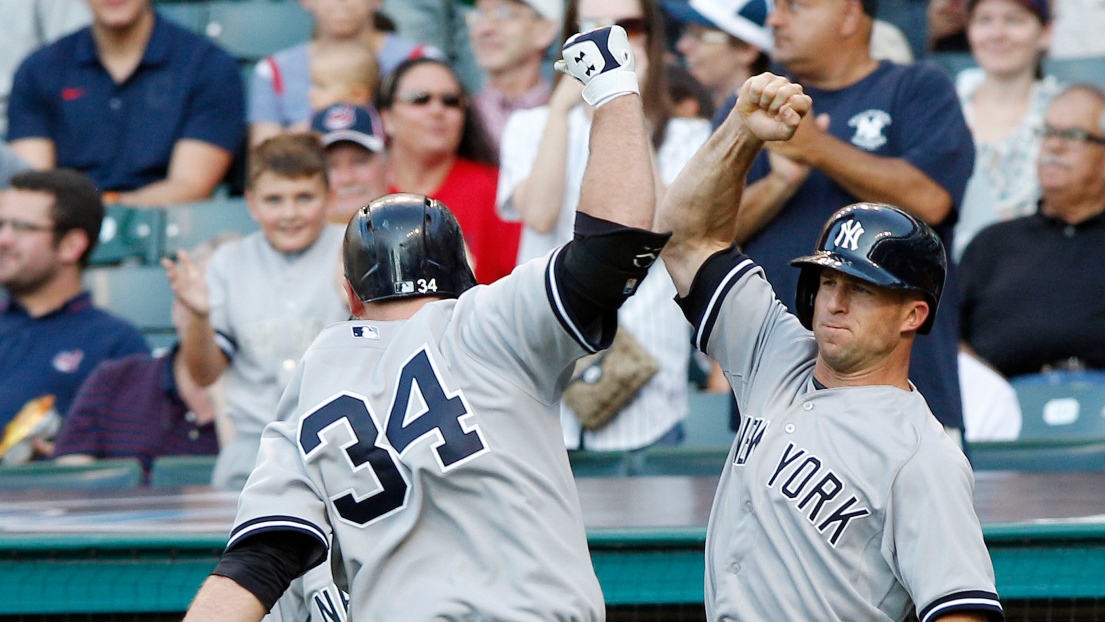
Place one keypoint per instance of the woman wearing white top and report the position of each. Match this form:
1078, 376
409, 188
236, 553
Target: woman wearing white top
543, 154
1004, 100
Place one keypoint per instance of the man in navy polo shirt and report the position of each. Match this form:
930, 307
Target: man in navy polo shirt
152, 112
51, 337
878, 132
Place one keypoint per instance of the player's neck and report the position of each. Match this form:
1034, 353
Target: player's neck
890, 371
390, 310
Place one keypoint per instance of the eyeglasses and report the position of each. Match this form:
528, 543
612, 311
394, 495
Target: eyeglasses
496, 15
22, 227
1070, 136
634, 26
422, 98
706, 35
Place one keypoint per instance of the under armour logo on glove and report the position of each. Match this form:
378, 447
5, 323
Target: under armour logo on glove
603, 61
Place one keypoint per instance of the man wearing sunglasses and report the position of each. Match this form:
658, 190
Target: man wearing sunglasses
509, 39
51, 337
1033, 298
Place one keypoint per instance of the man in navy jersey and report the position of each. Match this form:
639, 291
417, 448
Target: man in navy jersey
878, 132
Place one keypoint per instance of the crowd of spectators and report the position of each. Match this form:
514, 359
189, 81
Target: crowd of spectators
110, 102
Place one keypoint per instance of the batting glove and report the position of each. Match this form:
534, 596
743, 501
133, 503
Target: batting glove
603, 61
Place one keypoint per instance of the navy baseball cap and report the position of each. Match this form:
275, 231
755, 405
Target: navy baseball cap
355, 124
744, 19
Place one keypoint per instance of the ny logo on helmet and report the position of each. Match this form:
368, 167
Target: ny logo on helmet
848, 236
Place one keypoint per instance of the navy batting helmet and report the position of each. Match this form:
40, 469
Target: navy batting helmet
880, 244
404, 246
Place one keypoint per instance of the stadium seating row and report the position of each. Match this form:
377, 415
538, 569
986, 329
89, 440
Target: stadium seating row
249, 30
1067, 71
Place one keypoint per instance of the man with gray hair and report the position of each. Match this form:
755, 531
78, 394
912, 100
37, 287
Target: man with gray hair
1031, 299
509, 40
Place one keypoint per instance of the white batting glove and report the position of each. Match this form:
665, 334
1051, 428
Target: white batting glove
603, 61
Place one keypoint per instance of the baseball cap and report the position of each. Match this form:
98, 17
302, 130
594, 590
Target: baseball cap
1039, 8
743, 19
552, 10
355, 124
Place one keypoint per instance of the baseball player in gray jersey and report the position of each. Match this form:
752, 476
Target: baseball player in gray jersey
420, 443
842, 498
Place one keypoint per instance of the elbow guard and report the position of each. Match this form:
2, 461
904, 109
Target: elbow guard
605, 263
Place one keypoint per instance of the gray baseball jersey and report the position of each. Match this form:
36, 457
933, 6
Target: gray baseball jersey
835, 504
267, 307
429, 452
312, 597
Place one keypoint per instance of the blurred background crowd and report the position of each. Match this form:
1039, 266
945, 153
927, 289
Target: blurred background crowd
176, 177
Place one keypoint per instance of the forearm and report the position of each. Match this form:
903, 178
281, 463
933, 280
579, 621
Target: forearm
540, 198
896, 182
202, 356
760, 204
618, 184
700, 208
222, 600
167, 192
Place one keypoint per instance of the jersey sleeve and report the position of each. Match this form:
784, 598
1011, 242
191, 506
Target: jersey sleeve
930, 509
521, 325
517, 153
738, 321
263, 106
30, 111
280, 495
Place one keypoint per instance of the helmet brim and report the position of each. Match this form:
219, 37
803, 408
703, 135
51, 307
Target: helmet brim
866, 271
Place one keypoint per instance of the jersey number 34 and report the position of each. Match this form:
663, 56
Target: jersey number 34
372, 453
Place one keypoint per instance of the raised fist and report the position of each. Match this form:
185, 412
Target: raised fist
603, 61
772, 106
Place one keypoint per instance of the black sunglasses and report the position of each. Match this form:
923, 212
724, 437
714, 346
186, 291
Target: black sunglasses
422, 98
633, 25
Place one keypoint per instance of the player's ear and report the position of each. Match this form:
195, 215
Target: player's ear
356, 305
915, 312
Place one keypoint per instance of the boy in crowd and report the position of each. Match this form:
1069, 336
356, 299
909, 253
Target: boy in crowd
265, 297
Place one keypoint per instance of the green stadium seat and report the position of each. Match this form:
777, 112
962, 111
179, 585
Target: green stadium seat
599, 463
178, 471
1062, 429
191, 15
707, 422
683, 461
1077, 70
140, 294
253, 30
189, 224
102, 474
129, 235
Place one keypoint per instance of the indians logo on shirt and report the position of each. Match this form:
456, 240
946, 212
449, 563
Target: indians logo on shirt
869, 125
68, 362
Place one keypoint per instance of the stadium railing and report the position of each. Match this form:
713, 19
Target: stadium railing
102, 474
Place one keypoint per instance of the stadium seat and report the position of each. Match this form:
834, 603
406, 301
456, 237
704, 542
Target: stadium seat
1077, 70
683, 461
953, 62
191, 15
1063, 426
140, 294
253, 30
178, 471
102, 474
707, 422
599, 463
189, 224
129, 235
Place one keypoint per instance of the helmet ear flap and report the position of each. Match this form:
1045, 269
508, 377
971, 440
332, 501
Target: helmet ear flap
808, 282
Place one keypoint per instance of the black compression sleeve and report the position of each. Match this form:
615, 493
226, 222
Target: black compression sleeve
265, 564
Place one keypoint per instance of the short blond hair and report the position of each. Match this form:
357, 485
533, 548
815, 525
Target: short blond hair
350, 63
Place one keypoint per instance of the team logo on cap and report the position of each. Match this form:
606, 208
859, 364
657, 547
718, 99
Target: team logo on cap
68, 362
339, 118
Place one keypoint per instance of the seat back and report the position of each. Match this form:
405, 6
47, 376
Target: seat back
189, 224
707, 422
129, 235
178, 471
254, 29
140, 294
102, 474
1077, 70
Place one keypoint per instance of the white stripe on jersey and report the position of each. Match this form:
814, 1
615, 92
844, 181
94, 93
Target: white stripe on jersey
281, 524
558, 308
714, 301
980, 603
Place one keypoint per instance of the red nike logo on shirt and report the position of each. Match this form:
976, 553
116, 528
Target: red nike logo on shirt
70, 93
